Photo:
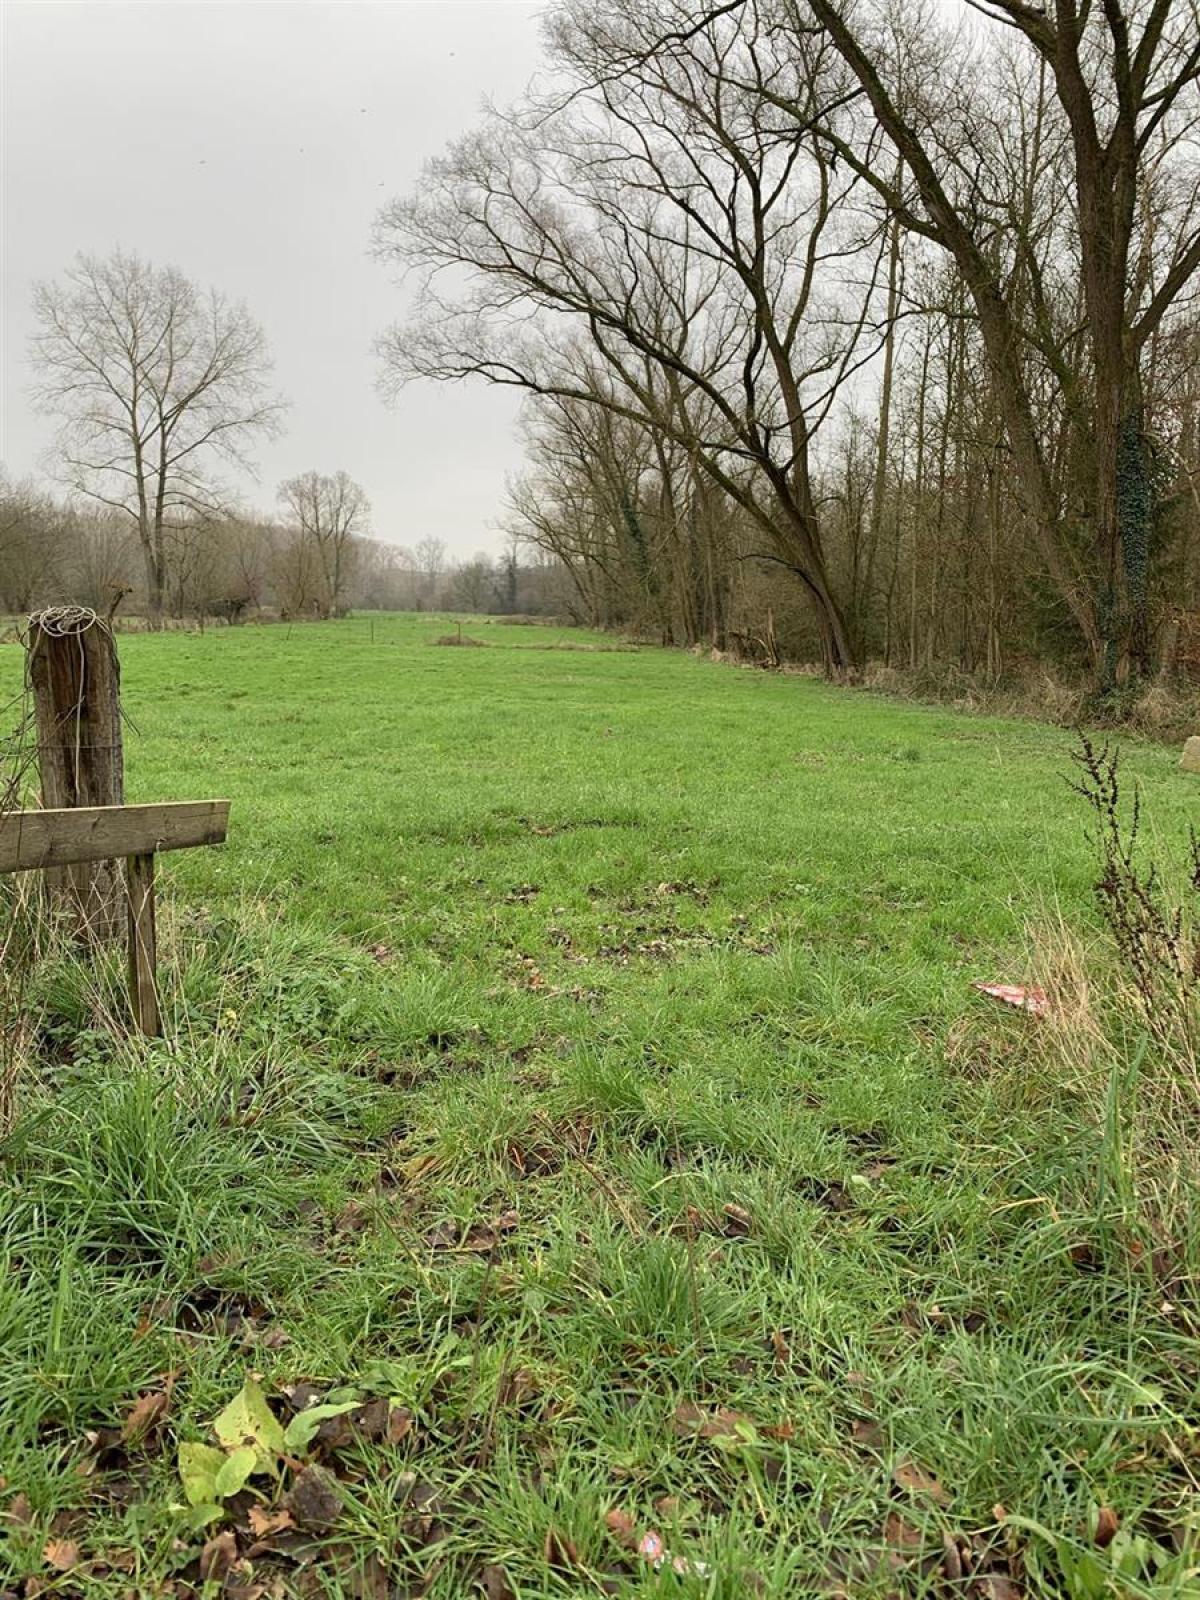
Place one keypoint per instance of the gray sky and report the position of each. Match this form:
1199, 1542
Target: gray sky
250, 145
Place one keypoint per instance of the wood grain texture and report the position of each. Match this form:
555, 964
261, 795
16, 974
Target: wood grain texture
143, 953
75, 678
33, 839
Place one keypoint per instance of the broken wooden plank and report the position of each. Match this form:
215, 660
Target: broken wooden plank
32, 839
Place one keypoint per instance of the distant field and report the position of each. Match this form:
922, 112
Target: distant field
578, 1047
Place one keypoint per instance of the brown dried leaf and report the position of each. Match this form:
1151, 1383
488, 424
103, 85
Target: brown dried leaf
994, 1586
217, 1557
952, 1566
783, 1355
370, 1581
494, 1582
1105, 1531
901, 1535
19, 1513
689, 1417
907, 1475
399, 1424
867, 1434
726, 1424
560, 1552
145, 1417
61, 1554
314, 1499
370, 1421
620, 1524
693, 1421
264, 1523
737, 1220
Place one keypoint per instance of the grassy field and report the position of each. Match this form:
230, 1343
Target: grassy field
574, 1066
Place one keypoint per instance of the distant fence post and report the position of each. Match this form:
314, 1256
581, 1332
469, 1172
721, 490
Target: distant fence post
75, 678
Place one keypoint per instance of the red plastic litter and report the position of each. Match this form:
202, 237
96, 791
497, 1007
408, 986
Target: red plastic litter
1014, 994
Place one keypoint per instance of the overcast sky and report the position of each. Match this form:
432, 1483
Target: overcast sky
251, 145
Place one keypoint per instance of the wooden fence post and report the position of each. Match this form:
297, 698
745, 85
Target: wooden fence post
76, 682
143, 980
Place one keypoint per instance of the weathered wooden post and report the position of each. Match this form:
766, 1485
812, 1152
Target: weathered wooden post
85, 830
76, 682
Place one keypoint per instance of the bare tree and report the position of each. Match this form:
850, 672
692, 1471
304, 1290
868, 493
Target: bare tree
330, 512
154, 378
1126, 86
666, 248
32, 543
471, 585
430, 555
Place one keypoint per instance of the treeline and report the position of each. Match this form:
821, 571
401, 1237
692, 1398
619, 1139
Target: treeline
844, 331
312, 562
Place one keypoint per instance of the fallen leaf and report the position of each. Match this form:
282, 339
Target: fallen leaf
370, 1581
901, 1535
907, 1475
145, 1416
493, 1580
737, 1220
783, 1355
867, 1433
61, 1554
264, 1523
399, 1424
620, 1525
560, 1552
952, 1562
689, 1417
19, 1513
1105, 1531
314, 1499
727, 1425
994, 1586
217, 1557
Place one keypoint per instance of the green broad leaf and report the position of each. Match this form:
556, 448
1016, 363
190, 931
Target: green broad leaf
304, 1424
248, 1420
198, 1468
235, 1470
200, 1516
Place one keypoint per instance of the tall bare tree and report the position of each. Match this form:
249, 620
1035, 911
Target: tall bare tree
154, 379
330, 512
666, 248
1125, 76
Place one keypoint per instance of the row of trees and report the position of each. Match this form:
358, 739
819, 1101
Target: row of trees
156, 385
315, 560
841, 302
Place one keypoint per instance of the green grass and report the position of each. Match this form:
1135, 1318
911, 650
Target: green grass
664, 968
